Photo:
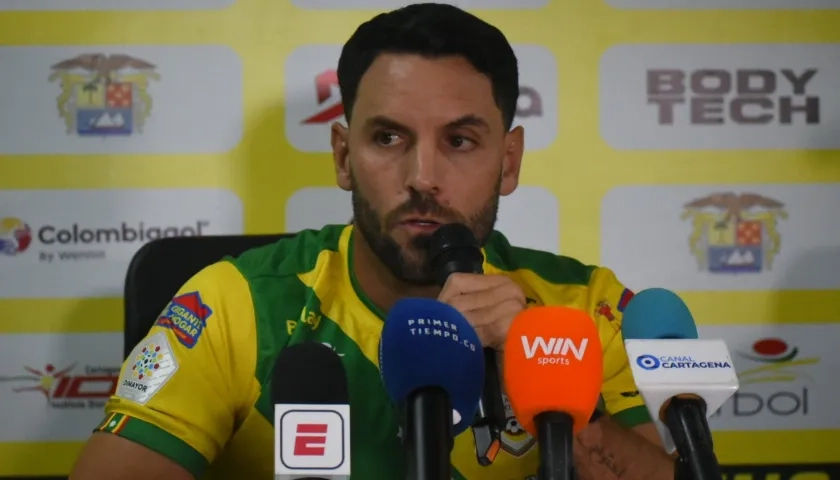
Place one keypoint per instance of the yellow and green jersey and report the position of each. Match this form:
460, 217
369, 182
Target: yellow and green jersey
195, 389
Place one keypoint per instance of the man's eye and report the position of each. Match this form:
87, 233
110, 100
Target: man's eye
460, 142
386, 138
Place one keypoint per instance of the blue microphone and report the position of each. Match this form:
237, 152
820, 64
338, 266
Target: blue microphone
432, 366
657, 313
679, 377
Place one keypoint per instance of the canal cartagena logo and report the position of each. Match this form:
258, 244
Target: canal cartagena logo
652, 362
777, 380
83, 241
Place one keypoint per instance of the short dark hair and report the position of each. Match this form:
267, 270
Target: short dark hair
432, 30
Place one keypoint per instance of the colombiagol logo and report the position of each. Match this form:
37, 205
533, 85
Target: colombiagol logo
79, 241
15, 236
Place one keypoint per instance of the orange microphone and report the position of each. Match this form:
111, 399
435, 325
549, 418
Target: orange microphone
553, 368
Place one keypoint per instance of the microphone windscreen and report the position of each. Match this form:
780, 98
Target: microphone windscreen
309, 373
657, 313
426, 343
454, 248
553, 363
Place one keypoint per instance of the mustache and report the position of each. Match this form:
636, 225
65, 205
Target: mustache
425, 205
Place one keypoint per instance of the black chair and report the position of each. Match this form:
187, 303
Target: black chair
161, 267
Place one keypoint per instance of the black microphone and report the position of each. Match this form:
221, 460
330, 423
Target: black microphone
454, 249
685, 417
311, 414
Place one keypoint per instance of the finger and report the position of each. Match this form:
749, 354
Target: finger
473, 301
500, 312
492, 324
459, 283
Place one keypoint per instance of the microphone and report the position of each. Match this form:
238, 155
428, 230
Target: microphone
683, 380
454, 249
553, 373
311, 414
432, 368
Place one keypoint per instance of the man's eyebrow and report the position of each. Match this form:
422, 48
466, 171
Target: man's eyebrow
381, 121
469, 120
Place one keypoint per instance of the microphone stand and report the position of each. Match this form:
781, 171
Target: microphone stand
555, 440
428, 434
697, 460
490, 418
681, 469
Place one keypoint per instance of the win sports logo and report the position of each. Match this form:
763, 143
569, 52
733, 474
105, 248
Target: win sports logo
553, 350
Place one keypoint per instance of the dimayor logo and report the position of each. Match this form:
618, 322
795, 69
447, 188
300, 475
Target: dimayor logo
147, 361
331, 108
74, 242
776, 381
66, 387
104, 95
716, 97
438, 328
15, 236
734, 233
651, 362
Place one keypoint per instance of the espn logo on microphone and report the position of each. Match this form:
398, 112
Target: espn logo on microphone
312, 439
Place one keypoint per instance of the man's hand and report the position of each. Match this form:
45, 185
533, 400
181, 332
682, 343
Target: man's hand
489, 302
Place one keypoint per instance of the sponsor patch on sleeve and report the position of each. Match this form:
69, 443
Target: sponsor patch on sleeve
186, 315
625, 298
149, 366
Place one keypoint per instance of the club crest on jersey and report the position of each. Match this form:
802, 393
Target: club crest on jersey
515, 440
186, 315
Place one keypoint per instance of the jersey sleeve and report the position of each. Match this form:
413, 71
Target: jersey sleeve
187, 384
608, 298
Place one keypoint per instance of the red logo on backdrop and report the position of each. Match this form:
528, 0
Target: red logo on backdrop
311, 439
324, 83
64, 388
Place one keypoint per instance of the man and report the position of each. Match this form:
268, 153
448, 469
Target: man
429, 93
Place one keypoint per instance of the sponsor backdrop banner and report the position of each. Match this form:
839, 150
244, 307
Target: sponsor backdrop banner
691, 144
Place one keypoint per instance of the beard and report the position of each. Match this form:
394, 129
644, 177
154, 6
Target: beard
410, 263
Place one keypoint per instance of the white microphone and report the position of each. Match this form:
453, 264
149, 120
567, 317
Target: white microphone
311, 414
682, 380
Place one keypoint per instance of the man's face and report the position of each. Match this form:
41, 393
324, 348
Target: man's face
427, 146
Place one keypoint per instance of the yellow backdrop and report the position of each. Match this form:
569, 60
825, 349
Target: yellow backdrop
579, 167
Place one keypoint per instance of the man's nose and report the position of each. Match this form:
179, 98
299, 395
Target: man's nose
426, 166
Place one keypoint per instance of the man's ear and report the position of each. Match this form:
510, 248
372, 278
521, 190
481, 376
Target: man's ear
512, 161
339, 138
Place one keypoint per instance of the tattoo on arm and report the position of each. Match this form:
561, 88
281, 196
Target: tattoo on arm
599, 456
594, 462
606, 451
